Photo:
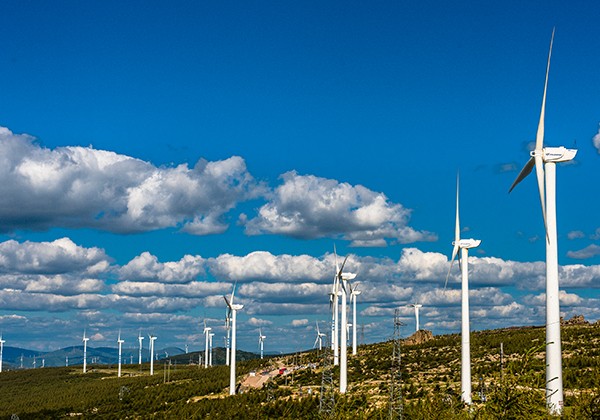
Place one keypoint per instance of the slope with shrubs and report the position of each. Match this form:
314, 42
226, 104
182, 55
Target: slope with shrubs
430, 384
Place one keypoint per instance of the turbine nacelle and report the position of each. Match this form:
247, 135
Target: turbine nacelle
467, 243
556, 154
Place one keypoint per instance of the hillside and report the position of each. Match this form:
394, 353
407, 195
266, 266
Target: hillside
430, 383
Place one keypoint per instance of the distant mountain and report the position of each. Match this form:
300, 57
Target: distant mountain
74, 356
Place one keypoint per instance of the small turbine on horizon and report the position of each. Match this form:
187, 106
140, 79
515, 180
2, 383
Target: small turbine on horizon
261, 341
207, 341
319, 338
354, 292
233, 308
140, 339
120, 343
417, 306
152, 340
85, 341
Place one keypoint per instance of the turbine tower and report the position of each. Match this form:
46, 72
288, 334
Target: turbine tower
85, 340
206, 339
354, 292
140, 339
333, 306
120, 343
342, 278
210, 345
464, 245
233, 308
261, 341
319, 338
152, 339
417, 306
228, 329
545, 159
1, 351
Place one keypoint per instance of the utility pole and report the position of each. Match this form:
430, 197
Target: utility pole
396, 403
327, 397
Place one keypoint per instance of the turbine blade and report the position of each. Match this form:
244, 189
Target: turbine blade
524, 172
342, 267
316, 341
454, 252
457, 223
227, 302
337, 267
539, 139
539, 171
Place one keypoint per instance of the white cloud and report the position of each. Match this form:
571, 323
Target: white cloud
307, 206
146, 267
589, 251
59, 256
105, 190
262, 265
299, 322
255, 322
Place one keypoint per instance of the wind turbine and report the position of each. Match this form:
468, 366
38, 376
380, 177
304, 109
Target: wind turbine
333, 306
261, 341
464, 245
319, 338
85, 340
1, 351
207, 338
354, 292
120, 343
140, 339
417, 306
152, 339
342, 278
544, 159
233, 308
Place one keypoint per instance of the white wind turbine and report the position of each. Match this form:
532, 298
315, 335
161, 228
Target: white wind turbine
354, 292
342, 278
207, 340
120, 343
233, 308
1, 351
319, 338
417, 306
261, 341
85, 340
140, 339
333, 306
464, 245
152, 339
544, 159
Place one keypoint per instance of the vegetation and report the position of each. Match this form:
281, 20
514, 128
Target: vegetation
430, 384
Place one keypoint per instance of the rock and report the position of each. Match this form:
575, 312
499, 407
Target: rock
576, 320
419, 337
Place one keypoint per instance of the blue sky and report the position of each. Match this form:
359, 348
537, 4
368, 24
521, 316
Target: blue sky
153, 154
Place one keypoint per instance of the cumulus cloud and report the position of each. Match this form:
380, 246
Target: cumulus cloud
190, 290
255, 322
146, 267
299, 322
589, 251
306, 206
262, 265
84, 187
59, 256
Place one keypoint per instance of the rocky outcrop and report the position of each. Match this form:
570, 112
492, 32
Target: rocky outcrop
576, 320
419, 337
